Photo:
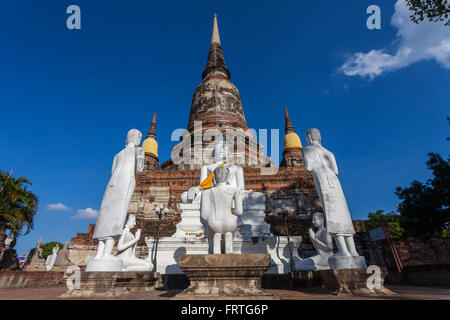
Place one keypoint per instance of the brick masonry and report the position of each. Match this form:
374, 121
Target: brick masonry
33, 279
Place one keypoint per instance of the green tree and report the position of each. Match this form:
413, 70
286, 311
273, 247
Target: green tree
47, 248
391, 220
18, 207
425, 207
433, 10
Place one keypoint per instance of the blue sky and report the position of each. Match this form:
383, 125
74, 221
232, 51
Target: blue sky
68, 97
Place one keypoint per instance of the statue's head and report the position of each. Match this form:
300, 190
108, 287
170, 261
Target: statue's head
131, 221
134, 137
55, 249
318, 220
221, 151
313, 135
221, 175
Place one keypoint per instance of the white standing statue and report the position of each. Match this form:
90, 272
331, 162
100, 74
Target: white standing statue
322, 164
113, 210
217, 212
50, 261
322, 243
127, 248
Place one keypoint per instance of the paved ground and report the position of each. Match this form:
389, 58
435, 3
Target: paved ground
403, 293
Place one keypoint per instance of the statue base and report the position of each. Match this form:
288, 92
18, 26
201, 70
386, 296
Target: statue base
104, 265
224, 276
171, 248
111, 284
353, 282
346, 262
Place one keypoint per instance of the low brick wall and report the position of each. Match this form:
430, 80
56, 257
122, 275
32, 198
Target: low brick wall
33, 279
423, 251
427, 274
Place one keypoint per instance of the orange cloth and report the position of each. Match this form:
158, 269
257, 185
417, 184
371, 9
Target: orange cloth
207, 183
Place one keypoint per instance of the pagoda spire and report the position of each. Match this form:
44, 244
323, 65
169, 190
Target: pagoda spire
215, 64
152, 132
288, 127
150, 146
215, 35
292, 146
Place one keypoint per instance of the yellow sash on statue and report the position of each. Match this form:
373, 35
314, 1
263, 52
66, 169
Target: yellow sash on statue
207, 183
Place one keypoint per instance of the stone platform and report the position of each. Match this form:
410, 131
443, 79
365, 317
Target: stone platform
171, 248
352, 282
111, 284
225, 276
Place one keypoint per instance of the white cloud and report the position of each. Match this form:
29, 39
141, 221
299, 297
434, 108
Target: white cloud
87, 213
57, 207
415, 42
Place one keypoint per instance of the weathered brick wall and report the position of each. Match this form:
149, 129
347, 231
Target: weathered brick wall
85, 239
412, 251
33, 279
420, 251
437, 274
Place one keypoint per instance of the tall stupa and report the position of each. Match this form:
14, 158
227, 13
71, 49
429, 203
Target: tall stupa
216, 105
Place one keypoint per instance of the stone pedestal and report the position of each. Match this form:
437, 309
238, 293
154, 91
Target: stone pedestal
344, 262
190, 225
225, 276
351, 282
111, 284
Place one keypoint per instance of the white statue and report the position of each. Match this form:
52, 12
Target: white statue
127, 248
322, 164
221, 155
116, 199
217, 213
62, 260
50, 261
323, 244
36, 261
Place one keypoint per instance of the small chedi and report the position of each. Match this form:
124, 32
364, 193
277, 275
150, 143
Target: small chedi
116, 199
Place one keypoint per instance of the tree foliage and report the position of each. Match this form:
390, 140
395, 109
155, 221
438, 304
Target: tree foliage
18, 205
391, 220
433, 10
425, 207
47, 248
